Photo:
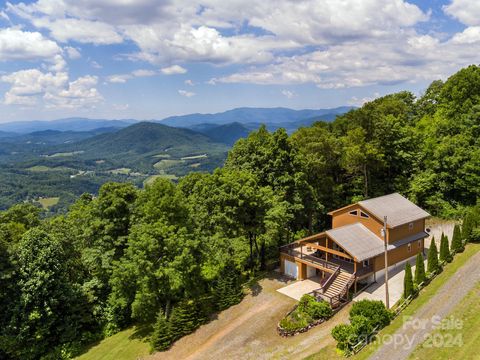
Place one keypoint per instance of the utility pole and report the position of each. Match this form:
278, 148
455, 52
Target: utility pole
384, 233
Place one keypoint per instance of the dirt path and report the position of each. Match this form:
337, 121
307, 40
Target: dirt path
404, 341
248, 331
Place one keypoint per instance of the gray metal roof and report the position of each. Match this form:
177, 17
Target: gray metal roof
409, 239
395, 207
357, 240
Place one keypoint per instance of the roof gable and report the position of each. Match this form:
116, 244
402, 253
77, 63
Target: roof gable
395, 207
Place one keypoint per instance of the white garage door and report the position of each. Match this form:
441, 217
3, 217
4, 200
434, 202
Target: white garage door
291, 269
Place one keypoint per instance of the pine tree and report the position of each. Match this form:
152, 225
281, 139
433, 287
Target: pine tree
228, 290
162, 336
185, 319
457, 243
467, 227
432, 265
419, 270
444, 249
408, 281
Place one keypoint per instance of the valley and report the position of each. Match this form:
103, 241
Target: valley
64, 158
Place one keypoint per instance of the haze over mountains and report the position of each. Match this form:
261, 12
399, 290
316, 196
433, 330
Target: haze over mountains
251, 118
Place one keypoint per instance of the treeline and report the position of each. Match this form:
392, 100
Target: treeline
167, 256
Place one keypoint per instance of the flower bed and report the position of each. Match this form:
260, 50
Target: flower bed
308, 313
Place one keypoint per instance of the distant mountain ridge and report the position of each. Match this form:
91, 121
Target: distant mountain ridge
68, 124
246, 115
250, 117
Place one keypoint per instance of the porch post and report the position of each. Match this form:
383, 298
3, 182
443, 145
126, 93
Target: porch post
326, 245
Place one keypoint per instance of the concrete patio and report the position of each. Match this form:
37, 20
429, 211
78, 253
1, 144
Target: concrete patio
300, 287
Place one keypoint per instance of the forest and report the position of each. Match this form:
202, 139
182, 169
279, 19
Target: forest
168, 256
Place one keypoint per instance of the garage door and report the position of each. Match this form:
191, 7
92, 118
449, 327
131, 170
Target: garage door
291, 269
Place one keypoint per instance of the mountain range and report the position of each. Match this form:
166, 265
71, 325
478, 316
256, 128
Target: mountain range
251, 118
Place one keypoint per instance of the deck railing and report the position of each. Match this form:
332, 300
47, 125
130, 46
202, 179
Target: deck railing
290, 250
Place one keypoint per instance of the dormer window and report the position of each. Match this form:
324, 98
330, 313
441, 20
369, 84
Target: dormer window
354, 212
364, 215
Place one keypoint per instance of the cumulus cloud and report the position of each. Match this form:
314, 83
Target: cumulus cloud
189, 82
16, 44
54, 90
186, 93
123, 78
466, 11
174, 69
73, 53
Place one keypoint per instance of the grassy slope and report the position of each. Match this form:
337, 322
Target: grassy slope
467, 311
330, 352
122, 346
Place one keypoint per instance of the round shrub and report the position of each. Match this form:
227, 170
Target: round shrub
374, 310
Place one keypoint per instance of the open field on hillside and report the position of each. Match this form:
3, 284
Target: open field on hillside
48, 202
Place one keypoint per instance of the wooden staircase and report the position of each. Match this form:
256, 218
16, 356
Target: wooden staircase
335, 290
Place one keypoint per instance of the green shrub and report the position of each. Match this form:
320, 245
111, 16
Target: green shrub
296, 320
374, 310
362, 327
345, 336
306, 302
320, 310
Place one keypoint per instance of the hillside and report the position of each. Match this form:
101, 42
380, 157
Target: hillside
226, 134
255, 115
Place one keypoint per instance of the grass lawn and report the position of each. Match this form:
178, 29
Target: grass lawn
467, 348
48, 202
425, 295
122, 346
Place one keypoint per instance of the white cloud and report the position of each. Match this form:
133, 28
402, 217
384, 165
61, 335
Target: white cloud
174, 69
73, 53
189, 82
466, 11
288, 94
16, 44
143, 73
468, 36
32, 86
186, 93
355, 101
123, 78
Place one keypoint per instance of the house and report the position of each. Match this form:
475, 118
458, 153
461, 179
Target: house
353, 251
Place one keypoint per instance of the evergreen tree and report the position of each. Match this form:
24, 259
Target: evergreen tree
467, 227
408, 281
444, 249
419, 270
432, 265
185, 318
162, 337
228, 290
457, 243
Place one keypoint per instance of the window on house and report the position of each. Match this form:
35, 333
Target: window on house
409, 247
364, 215
419, 244
366, 263
410, 226
354, 213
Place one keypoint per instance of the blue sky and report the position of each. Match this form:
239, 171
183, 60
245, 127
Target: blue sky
148, 59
